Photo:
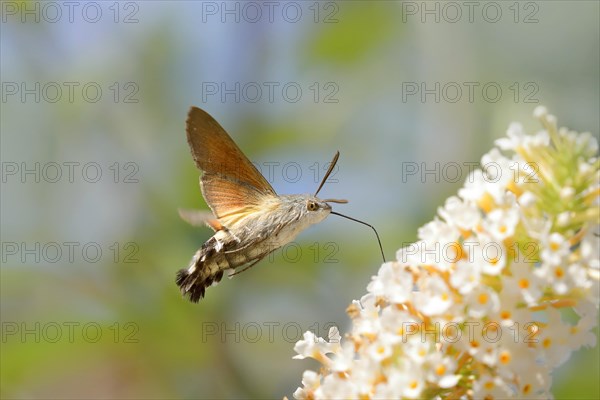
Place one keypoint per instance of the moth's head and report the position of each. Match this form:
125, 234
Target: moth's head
316, 209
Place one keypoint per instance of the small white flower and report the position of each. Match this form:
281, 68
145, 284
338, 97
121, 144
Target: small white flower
512, 312
512, 355
392, 282
365, 373
313, 346
434, 236
584, 167
563, 219
310, 382
412, 382
581, 335
466, 276
534, 383
555, 249
515, 134
335, 387
390, 389
490, 255
459, 213
491, 387
501, 223
553, 340
441, 370
501, 173
587, 143
475, 187
433, 297
551, 120
368, 320
482, 302
379, 350
334, 335
528, 283
567, 193
517, 139
540, 139
590, 249
344, 358
404, 383
527, 199
475, 341
563, 278
540, 112
397, 325
578, 276
416, 348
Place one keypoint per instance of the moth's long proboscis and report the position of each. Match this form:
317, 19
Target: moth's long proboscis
364, 223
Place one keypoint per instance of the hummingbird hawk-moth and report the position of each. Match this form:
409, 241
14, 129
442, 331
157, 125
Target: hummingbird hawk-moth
249, 218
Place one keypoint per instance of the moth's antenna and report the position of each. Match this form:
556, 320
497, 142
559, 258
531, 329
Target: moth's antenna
331, 166
364, 223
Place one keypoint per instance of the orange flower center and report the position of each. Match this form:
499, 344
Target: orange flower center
559, 273
483, 298
505, 357
523, 283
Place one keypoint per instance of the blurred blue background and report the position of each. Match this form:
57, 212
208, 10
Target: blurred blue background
88, 300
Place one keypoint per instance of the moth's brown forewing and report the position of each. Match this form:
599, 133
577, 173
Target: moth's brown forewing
230, 183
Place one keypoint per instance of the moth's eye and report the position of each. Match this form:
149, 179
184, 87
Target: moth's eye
312, 206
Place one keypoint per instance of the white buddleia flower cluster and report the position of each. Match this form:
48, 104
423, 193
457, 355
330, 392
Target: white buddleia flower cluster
499, 290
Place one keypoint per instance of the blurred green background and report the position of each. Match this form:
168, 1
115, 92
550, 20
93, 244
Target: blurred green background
314, 77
